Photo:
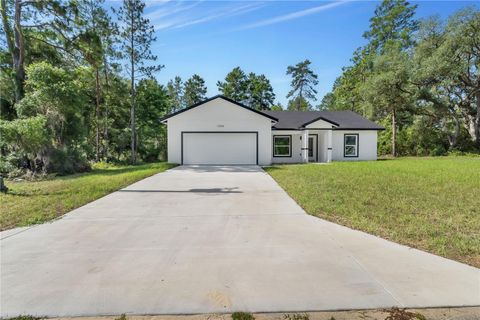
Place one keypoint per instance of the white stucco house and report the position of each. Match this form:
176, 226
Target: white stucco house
222, 131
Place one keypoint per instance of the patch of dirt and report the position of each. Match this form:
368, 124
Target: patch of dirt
465, 313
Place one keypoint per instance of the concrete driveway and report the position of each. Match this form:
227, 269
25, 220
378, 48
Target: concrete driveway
214, 239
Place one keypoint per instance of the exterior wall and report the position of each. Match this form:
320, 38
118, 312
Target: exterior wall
367, 145
296, 157
296, 147
320, 124
220, 115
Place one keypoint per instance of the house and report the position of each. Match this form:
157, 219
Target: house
222, 131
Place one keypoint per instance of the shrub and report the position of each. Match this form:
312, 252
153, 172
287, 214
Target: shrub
67, 161
242, 316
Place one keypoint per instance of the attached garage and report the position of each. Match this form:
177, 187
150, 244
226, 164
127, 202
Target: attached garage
232, 148
219, 131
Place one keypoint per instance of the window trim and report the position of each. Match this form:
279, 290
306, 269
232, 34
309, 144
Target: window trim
357, 145
289, 136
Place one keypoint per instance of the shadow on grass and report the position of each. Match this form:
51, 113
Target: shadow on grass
274, 168
116, 171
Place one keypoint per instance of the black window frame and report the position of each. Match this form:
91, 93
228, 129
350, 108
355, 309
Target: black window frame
357, 145
289, 136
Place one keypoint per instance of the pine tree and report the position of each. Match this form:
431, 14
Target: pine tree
194, 90
175, 94
235, 85
137, 36
303, 84
260, 94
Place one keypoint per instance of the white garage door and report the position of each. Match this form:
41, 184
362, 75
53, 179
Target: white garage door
219, 148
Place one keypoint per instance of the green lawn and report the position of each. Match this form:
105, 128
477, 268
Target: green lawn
36, 202
427, 203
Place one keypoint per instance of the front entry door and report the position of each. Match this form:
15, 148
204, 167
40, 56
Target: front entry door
312, 148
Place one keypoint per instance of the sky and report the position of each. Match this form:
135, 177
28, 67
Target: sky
210, 38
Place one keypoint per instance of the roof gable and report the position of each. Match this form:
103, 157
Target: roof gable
219, 97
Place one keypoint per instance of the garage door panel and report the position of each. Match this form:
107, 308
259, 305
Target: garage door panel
219, 148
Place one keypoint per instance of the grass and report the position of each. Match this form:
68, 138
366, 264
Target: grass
428, 203
29, 203
242, 316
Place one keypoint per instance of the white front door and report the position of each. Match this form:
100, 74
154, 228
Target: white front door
312, 148
233, 148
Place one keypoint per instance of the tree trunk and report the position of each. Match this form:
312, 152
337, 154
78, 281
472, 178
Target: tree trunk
97, 114
133, 146
476, 124
453, 137
394, 133
19, 53
105, 125
16, 47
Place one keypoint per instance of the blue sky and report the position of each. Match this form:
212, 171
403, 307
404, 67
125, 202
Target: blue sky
212, 37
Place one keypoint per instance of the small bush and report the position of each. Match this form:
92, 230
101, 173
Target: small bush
122, 317
296, 316
67, 161
242, 316
24, 318
402, 314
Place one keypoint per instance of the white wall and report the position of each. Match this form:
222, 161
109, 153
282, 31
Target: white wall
367, 145
296, 146
320, 124
220, 115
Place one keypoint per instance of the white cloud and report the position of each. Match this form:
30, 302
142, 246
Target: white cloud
198, 16
163, 11
293, 15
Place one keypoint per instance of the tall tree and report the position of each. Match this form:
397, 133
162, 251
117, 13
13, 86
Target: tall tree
393, 21
260, 94
41, 21
194, 90
303, 83
175, 89
235, 85
448, 71
94, 43
152, 104
387, 88
137, 34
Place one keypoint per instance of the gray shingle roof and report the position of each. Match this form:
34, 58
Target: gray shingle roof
342, 119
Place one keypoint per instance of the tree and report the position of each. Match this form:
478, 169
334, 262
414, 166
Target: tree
387, 87
277, 107
47, 23
194, 90
260, 94
392, 21
28, 136
137, 36
328, 102
52, 92
299, 104
303, 84
175, 90
152, 104
235, 85
95, 43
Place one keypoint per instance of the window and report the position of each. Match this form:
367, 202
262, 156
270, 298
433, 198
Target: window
282, 146
350, 145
